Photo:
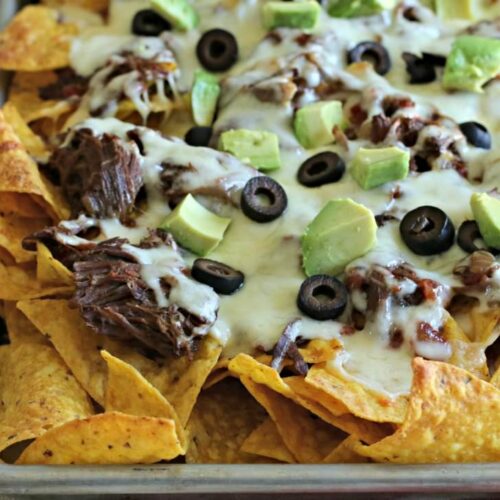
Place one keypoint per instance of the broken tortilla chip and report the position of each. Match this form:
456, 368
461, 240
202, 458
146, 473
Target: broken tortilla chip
35, 40
49, 270
344, 453
452, 417
127, 391
222, 418
108, 438
37, 392
20, 328
266, 441
218, 374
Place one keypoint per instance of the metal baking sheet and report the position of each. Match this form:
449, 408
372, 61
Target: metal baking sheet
308, 481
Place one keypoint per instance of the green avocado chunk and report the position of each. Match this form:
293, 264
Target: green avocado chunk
472, 62
256, 147
374, 167
358, 8
314, 123
204, 96
303, 14
194, 227
486, 210
455, 9
343, 231
179, 12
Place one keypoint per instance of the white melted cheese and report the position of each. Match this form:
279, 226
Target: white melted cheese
269, 254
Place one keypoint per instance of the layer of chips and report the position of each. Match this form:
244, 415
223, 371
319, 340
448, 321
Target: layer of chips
21, 329
49, 271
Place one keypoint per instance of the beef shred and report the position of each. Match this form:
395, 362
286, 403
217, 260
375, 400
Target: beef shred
286, 347
101, 176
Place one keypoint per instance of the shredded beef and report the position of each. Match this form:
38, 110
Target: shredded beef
100, 176
286, 347
380, 127
477, 270
67, 85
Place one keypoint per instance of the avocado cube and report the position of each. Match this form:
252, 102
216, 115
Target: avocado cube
358, 8
204, 96
258, 148
472, 62
455, 9
486, 210
374, 167
180, 13
303, 15
343, 231
194, 227
314, 123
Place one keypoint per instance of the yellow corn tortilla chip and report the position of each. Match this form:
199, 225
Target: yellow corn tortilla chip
452, 417
22, 205
218, 374
35, 40
19, 174
495, 380
108, 438
127, 391
486, 325
49, 270
222, 418
266, 441
20, 328
21, 284
308, 438
345, 454
24, 95
93, 5
37, 393
32, 142
13, 229
360, 401
320, 351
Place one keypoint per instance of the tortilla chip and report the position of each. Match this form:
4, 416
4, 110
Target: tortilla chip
22, 284
20, 328
495, 380
93, 5
32, 142
50, 271
345, 454
127, 391
266, 441
320, 351
19, 174
486, 325
452, 417
37, 393
222, 418
218, 374
13, 229
359, 400
18, 204
35, 40
308, 438
108, 438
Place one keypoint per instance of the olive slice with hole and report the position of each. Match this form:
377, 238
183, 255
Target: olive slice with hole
322, 297
372, 52
199, 136
222, 278
263, 199
476, 134
419, 69
217, 50
468, 234
427, 230
320, 169
148, 23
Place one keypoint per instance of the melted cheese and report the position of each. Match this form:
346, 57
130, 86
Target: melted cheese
269, 254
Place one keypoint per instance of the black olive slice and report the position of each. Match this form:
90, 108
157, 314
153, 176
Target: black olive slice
320, 169
221, 277
419, 69
372, 52
468, 234
427, 230
199, 136
148, 23
263, 199
322, 297
434, 59
217, 50
476, 134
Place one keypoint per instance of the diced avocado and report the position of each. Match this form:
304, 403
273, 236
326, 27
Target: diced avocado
455, 9
374, 167
194, 227
343, 231
357, 8
472, 62
314, 123
180, 13
204, 96
256, 147
303, 15
486, 210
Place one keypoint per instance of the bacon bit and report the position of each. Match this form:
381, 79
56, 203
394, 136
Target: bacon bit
428, 288
379, 128
358, 115
391, 104
354, 280
348, 330
396, 338
425, 333
396, 193
303, 39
